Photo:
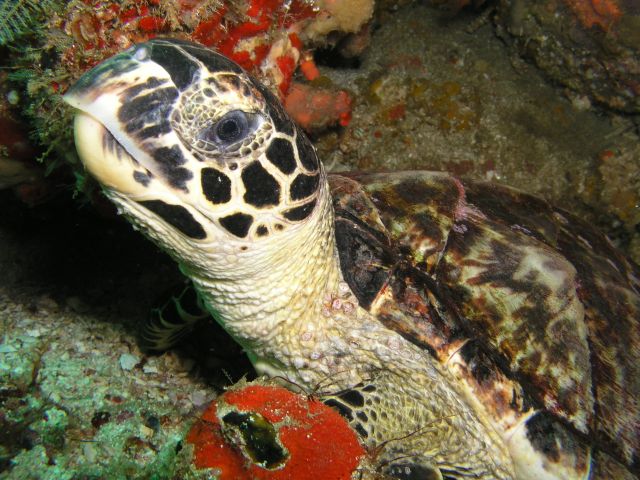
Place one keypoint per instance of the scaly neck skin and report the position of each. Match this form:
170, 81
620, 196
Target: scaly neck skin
274, 288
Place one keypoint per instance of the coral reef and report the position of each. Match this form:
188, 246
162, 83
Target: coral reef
590, 46
269, 38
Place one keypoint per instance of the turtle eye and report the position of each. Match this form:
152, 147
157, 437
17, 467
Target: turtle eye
233, 127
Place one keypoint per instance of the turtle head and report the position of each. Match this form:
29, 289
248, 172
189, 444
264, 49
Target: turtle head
194, 150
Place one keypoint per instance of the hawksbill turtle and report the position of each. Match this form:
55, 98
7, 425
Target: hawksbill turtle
475, 331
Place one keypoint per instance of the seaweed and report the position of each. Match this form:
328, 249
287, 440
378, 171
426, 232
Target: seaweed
17, 17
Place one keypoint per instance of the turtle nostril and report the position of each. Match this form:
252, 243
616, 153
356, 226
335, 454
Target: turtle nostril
141, 53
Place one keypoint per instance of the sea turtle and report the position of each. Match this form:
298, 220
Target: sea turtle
473, 330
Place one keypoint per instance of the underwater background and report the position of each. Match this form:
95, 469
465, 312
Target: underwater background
543, 96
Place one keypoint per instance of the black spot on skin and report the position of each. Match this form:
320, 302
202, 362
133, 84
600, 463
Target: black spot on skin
142, 178
262, 189
261, 231
304, 186
181, 68
176, 216
353, 397
238, 224
299, 213
369, 388
361, 430
154, 131
280, 153
216, 186
169, 159
306, 152
148, 114
342, 409
362, 416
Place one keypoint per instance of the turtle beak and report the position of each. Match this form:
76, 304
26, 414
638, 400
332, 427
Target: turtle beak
123, 121
105, 159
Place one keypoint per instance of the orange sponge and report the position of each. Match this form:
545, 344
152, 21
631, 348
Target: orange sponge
267, 432
316, 108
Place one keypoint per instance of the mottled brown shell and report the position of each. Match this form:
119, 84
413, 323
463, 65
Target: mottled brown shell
532, 309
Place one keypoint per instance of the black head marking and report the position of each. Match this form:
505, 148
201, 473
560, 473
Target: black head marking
342, 409
280, 153
216, 186
176, 216
262, 231
142, 178
238, 224
304, 186
132, 92
261, 188
306, 152
353, 397
169, 159
180, 67
361, 430
147, 115
299, 213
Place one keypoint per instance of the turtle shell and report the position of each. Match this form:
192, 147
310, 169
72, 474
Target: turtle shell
534, 312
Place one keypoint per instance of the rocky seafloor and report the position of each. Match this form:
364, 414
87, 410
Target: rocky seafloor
79, 399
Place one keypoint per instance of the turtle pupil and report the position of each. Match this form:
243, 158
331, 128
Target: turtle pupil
228, 130
231, 128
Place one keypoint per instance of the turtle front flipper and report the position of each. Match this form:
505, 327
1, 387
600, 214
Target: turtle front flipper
407, 441
173, 319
